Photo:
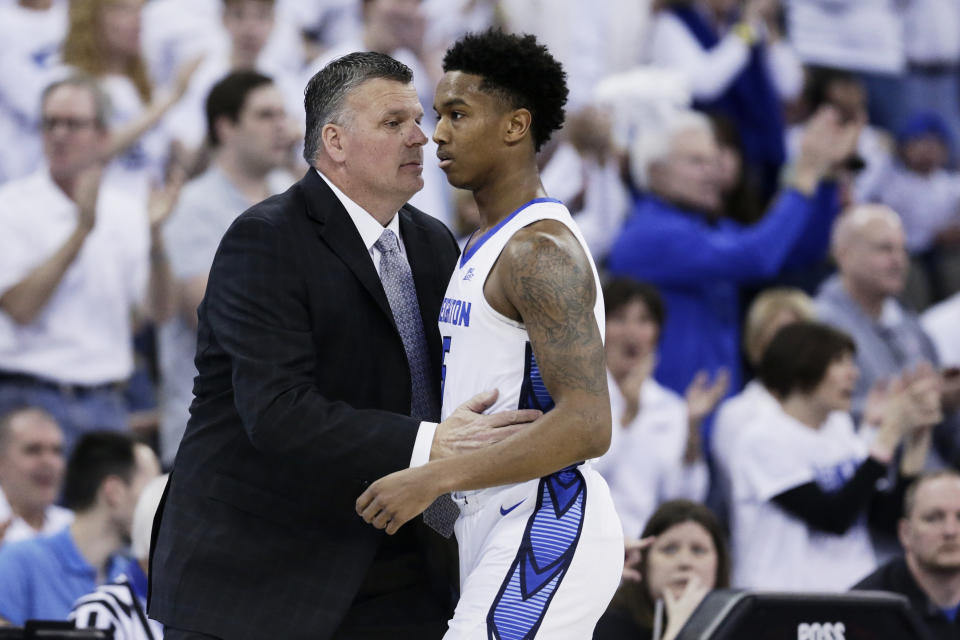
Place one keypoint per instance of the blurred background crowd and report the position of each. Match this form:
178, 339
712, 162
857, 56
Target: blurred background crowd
770, 187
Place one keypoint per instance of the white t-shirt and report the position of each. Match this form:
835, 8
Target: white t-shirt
142, 164
82, 335
860, 36
941, 322
175, 31
644, 465
29, 44
773, 549
733, 415
54, 519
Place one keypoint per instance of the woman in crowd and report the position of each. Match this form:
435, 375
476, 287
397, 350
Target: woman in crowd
655, 451
769, 312
804, 483
687, 558
103, 39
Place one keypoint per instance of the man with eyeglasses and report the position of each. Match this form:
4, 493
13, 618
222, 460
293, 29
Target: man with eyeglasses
75, 260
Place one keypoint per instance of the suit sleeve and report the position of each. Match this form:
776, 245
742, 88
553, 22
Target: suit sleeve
256, 308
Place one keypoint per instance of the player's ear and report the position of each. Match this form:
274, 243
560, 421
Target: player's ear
518, 125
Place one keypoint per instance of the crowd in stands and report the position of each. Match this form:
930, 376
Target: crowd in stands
771, 191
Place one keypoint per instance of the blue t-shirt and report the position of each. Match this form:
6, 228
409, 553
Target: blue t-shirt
42, 577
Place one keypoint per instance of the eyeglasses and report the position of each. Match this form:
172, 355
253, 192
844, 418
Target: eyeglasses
49, 123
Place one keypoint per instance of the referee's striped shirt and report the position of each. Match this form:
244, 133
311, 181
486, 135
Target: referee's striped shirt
115, 607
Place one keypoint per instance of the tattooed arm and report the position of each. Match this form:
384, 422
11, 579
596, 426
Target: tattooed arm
544, 279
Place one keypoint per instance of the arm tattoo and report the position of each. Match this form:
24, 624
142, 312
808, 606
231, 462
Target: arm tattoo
554, 291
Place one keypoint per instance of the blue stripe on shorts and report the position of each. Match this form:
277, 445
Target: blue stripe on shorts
545, 554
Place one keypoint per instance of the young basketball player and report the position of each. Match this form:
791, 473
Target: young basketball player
541, 549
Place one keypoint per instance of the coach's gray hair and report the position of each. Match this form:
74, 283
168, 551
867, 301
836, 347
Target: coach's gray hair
654, 141
324, 99
101, 101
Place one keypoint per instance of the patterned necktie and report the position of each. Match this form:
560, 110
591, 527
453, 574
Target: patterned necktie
401, 293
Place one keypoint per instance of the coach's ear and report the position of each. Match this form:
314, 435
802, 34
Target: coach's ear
331, 136
518, 124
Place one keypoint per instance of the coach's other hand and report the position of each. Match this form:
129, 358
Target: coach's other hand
468, 429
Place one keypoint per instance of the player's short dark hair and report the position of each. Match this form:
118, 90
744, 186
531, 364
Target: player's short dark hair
621, 291
97, 456
799, 355
227, 98
326, 93
518, 70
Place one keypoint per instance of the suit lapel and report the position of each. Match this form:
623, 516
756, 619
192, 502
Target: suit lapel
340, 234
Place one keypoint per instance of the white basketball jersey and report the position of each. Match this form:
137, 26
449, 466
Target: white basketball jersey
483, 349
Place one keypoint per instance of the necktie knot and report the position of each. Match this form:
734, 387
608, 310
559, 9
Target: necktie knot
387, 243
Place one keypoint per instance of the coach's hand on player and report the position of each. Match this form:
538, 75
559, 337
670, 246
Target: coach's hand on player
395, 499
468, 429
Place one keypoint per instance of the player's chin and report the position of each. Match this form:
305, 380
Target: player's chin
455, 180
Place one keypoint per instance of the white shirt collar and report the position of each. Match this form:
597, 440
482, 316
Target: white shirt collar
890, 314
369, 227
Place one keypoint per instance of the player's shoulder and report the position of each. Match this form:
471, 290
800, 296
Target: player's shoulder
544, 242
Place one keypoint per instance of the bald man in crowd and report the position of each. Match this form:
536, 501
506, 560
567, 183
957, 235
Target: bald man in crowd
861, 299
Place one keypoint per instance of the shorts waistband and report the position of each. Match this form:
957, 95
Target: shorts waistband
473, 501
